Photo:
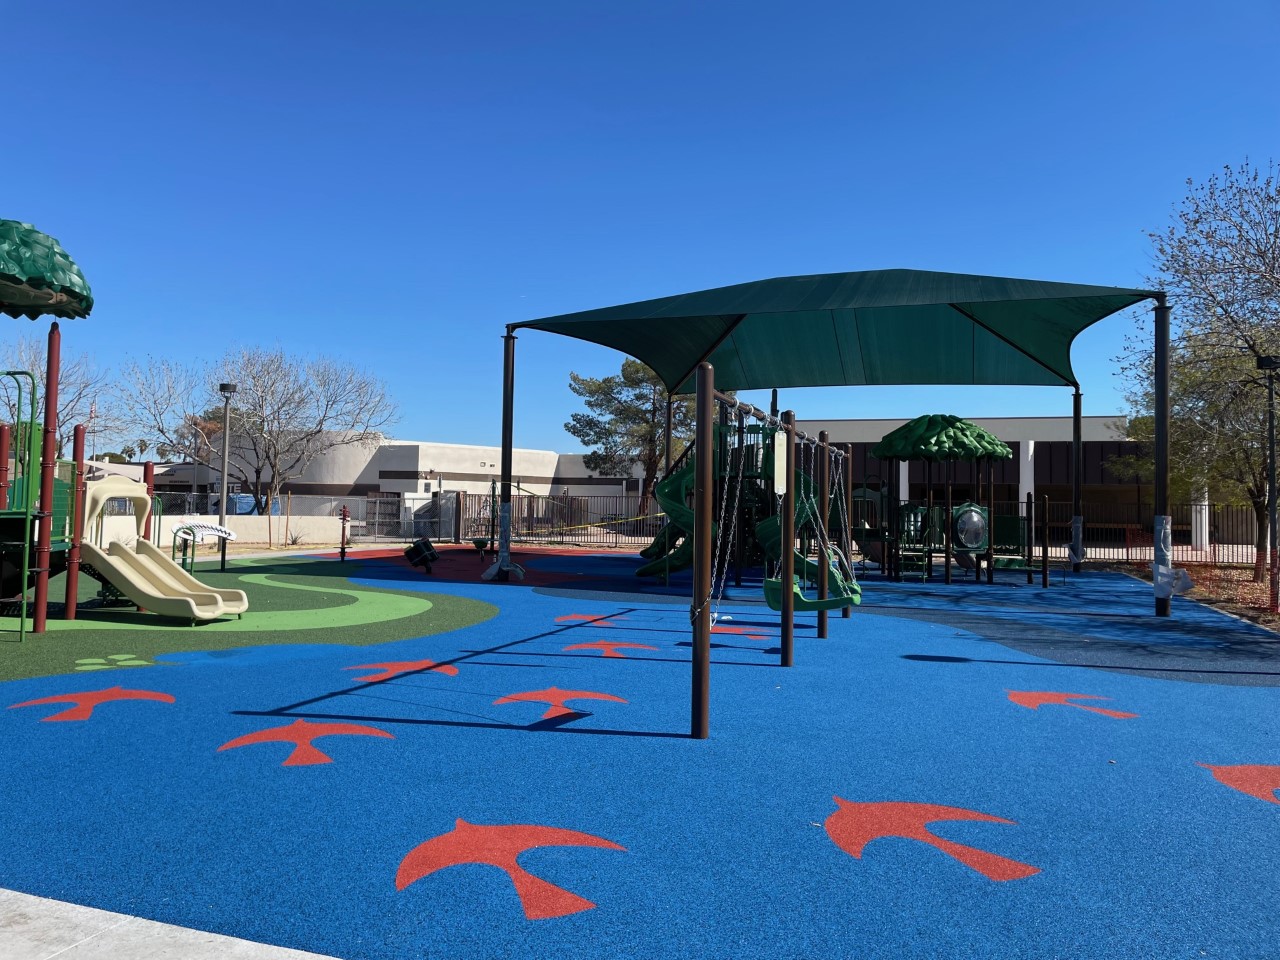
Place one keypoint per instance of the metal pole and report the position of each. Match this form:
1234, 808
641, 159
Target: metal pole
666, 439
504, 566
739, 475
5, 436
1029, 525
152, 531
48, 454
1044, 541
1077, 479
788, 538
1161, 556
1274, 595
222, 485
77, 523
948, 468
991, 520
703, 493
824, 528
847, 612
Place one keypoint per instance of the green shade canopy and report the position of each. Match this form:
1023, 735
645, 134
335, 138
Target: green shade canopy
37, 277
872, 327
940, 436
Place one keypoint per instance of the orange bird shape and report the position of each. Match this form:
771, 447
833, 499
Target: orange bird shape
395, 669
1257, 780
854, 825
556, 697
85, 702
300, 733
499, 846
1036, 699
609, 648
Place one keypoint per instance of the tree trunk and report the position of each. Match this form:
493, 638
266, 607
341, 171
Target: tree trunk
1261, 547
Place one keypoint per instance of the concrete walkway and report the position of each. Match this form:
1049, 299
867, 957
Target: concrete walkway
33, 928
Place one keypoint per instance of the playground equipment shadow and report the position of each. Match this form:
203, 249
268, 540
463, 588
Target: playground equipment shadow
193, 812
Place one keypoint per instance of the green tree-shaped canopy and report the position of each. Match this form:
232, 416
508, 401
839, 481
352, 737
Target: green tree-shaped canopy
940, 436
37, 277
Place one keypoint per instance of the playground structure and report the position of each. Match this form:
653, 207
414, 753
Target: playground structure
141, 572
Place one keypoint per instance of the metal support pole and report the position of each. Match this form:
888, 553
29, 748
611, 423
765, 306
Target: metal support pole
824, 527
1029, 526
788, 543
704, 507
1077, 479
948, 468
739, 474
48, 455
505, 567
847, 611
6, 435
1162, 557
991, 521
71, 598
1044, 542
151, 531
666, 438
1273, 576
226, 465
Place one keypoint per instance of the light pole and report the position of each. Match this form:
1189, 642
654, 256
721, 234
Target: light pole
226, 389
1270, 365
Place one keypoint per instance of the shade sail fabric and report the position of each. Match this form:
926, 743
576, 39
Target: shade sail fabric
940, 436
872, 327
38, 277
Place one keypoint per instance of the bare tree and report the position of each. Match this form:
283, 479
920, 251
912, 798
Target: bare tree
286, 412
84, 395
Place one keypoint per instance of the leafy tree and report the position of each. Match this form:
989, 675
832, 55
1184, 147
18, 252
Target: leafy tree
626, 422
1219, 260
286, 412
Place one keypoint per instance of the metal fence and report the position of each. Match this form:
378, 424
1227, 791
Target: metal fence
1116, 533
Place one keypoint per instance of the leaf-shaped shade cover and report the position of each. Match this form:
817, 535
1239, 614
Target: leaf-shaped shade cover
37, 277
940, 436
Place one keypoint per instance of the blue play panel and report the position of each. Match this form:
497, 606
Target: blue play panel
962, 771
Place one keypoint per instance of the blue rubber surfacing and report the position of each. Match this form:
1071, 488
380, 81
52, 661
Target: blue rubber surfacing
1140, 851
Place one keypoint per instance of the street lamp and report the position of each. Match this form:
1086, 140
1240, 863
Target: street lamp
226, 389
1271, 365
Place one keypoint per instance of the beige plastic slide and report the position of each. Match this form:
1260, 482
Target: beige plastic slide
142, 583
233, 601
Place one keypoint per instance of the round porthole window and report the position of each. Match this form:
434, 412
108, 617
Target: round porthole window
970, 529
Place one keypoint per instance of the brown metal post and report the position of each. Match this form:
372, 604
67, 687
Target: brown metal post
1044, 541
1030, 527
991, 521
149, 478
503, 573
948, 467
788, 528
739, 476
6, 436
48, 455
1077, 479
703, 508
928, 524
824, 527
77, 524
666, 439
1161, 556
846, 612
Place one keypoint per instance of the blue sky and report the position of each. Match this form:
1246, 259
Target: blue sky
392, 183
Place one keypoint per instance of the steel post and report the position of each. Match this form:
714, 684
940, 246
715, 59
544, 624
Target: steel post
788, 543
1162, 439
48, 456
703, 500
71, 597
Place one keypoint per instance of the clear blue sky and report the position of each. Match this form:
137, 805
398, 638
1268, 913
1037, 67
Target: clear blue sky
392, 183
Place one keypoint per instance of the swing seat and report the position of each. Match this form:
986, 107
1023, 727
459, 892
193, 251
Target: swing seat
804, 603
